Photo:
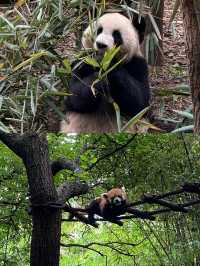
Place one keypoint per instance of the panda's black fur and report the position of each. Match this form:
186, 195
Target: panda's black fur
127, 84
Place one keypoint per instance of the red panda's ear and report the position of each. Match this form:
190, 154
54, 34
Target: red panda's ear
105, 195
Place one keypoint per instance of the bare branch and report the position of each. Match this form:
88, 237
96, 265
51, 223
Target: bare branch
111, 245
81, 246
121, 147
13, 141
62, 164
71, 189
4, 202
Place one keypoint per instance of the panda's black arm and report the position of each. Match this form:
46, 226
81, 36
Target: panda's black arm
82, 99
131, 95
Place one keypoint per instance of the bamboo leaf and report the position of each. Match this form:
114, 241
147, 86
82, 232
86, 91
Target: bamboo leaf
118, 116
135, 119
184, 129
91, 61
33, 58
4, 128
1, 101
155, 26
7, 22
184, 114
67, 65
108, 57
33, 109
149, 125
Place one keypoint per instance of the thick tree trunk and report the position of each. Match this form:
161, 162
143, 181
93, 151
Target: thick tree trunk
192, 38
45, 244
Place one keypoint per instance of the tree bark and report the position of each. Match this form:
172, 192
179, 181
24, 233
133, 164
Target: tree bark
46, 220
45, 243
192, 43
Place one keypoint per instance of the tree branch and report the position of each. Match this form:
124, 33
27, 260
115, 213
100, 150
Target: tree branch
193, 188
62, 164
71, 189
112, 152
13, 142
81, 246
110, 245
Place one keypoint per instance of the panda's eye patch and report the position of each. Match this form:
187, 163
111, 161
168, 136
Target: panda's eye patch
117, 37
99, 30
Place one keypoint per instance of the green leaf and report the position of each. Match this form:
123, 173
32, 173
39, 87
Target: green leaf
135, 119
33, 58
155, 26
108, 57
91, 61
1, 101
4, 128
67, 65
117, 111
7, 22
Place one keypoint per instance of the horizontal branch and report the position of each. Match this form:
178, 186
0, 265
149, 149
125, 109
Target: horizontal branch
4, 202
193, 188
150, 199
110, 245
81, 246
61, 164
71, 189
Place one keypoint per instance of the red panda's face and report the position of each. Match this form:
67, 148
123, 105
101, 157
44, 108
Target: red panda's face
117, 201
115, 196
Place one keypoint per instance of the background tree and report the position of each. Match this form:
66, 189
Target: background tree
143, 164
191, 19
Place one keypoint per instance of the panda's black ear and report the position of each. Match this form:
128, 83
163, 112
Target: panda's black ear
140, 25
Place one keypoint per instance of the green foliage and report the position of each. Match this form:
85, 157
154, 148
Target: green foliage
32, 68
15, 223
151, 163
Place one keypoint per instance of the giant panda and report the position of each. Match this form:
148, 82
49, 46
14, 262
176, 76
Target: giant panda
127, 84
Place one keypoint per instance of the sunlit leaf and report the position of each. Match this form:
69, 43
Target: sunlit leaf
135, 119
91, 61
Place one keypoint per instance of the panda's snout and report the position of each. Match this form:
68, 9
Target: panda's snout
101, 45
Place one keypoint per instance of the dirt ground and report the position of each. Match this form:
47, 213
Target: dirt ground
172, 74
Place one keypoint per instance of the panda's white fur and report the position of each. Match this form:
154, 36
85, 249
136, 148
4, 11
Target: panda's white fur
110, 22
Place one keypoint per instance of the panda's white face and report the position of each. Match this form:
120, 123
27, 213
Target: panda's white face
112, 29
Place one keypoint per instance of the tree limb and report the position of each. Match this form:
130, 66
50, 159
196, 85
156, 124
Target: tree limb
62, 164
13, 142
110, 245
121, 147
71, 189
81, 246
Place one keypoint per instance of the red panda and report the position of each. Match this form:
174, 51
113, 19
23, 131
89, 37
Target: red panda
109, 206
